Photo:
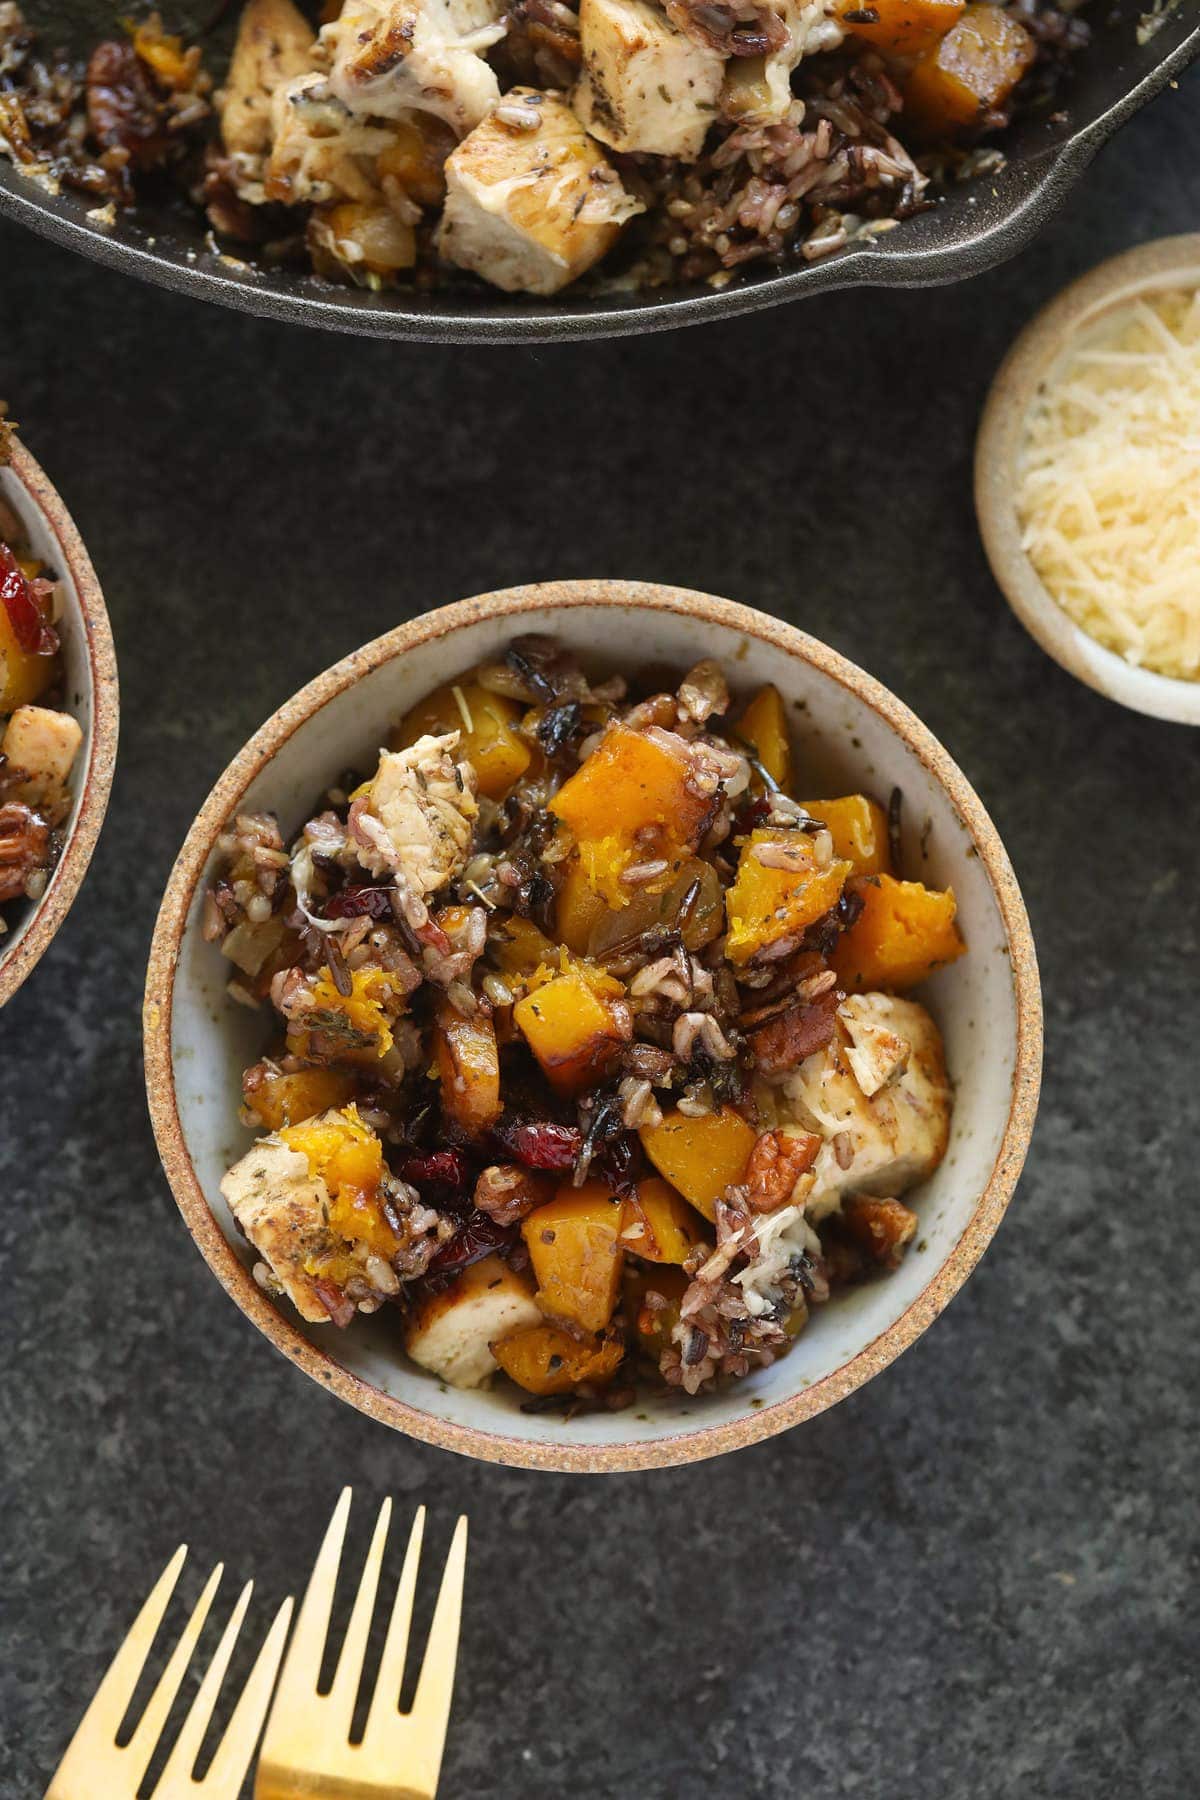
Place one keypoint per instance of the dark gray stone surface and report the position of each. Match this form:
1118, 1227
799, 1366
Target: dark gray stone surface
971, 1578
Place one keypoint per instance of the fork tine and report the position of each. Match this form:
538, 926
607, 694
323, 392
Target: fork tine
176, 1777
302, 1667
390, 1679
435, 1688
142, 1744
234, 1753
112, 1697
354, 1648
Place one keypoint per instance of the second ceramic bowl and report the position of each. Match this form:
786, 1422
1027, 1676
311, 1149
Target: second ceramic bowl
849, 732
90, 681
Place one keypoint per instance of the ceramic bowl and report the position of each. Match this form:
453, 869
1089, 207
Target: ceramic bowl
90, 667
849, 732
1172, 262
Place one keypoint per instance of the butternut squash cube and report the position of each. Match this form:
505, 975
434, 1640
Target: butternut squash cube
700, 1157
468, 1062
575, 1252
763, 727
659, 1225
652, 1321
859, 829
975, 67
486, 724
634, 781
24, 675
519, 947
572, 1029
277, 1099
904, 932
579, 909
769, 902
545, 1359
899, 27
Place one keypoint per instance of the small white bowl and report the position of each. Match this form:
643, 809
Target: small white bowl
1151, 268
850, 732
90, 683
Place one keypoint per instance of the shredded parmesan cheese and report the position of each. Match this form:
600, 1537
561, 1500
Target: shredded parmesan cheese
1108, 483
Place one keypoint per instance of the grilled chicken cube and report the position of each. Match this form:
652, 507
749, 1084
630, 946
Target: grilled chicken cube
531, 205
280, 1207
645, 84
390, 58
758, 89
875, 1052
274, 45
452, 1332
879, 1143
40, 747
414, 819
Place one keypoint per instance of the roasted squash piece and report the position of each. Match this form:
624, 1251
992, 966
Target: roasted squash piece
468, 1064
634, 781
354, 1027
579, 908
659, 1225
899, 27
653, 1319
769, 902
520, 947
575, 1252
763, 728
572, 1028
24, 674
859, 829
545, 1359
488, 737
904, 932
416, 158
700, 1157
348, 1157
277, 1099
974, 68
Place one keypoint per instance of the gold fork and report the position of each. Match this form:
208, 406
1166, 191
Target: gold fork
95, 1765
306, 1750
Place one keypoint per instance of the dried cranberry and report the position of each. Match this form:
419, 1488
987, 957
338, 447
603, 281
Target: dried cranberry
446, 1168
479, 1237
749, 817
539, 1145
29, 628
360, 902
333, 1299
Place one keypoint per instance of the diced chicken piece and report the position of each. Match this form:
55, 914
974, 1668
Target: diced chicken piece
40, 746
389, 58
780, 1237
531, 206
281, 1208
645, 85
875, 1052
758, 89
284, 1209
415, 817
452, 1333
274, 45
885, 1142
319, 150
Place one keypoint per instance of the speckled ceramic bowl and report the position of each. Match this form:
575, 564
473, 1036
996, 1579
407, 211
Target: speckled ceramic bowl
91, 695
1158, 266
850, 732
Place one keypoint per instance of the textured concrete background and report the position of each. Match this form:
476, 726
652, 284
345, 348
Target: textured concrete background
973, 1577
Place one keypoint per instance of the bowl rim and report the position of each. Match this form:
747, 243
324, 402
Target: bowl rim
1160, 263
489, 1446
17, 964
1047, 178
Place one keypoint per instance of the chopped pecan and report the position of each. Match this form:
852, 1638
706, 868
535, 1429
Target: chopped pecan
787, 1039
777, 1162
883, 1228
506, 1192
24, 847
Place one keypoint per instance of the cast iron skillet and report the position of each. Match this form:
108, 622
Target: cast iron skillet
975, 226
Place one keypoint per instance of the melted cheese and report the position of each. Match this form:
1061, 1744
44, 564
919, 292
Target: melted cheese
1108, 489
